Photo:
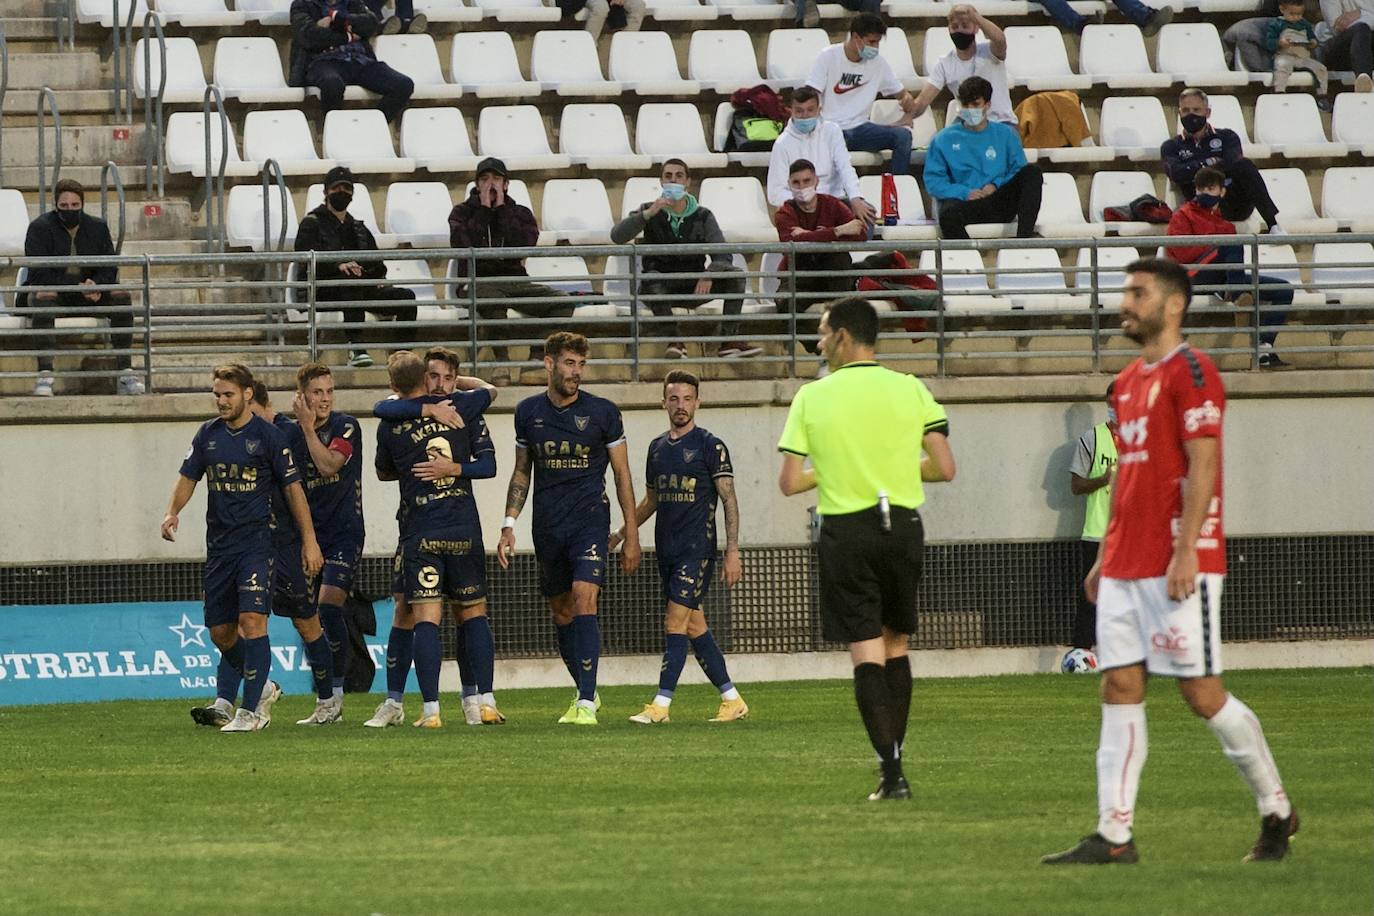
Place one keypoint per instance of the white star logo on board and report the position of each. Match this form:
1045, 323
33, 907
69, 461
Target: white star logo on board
197, 632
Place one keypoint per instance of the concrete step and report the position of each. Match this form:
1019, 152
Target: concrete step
82, 145
25, 177
21, 104
30, 33
66, 70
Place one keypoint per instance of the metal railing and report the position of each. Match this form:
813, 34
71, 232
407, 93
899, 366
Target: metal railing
47, 98
122, 59
153, 162
215, 215
199, 310
106, 171
4, 87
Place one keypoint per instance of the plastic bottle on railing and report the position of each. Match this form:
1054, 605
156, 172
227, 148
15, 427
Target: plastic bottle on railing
890, 213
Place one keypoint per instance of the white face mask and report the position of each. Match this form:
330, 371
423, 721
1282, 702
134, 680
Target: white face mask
804, 195
971, 116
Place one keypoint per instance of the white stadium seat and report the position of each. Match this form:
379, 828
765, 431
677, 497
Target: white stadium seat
966, 287
100, 12
1361, 254
1192, 52
752, 10
1288, 187
437, 139
14, 222
1037, 60
448, 11
360, 138
1281, 262
1061, 212
243, 219
515, 133
414, 274
1292, 126
267, 12
577, 211
682, 10
484, 63
895, 48
1040, 288
199, 13
791, 52
1115, 55
417, 58
1226, 112
1347, 193
361, 209
520, 11
1352, 121
1134, 126
185, 79
567, 62
249, 69
283, 135
186, 147
740, 208
910, 205
673, 131
417, 213
646, 64
595, 136
723, 60
1111, 273
637, 192
1117, 189
562, 272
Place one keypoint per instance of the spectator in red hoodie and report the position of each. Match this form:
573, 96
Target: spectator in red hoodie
1215, 265
814, 217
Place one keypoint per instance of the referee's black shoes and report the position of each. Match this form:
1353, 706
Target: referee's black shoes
1275, 832
890, 789
1095, 850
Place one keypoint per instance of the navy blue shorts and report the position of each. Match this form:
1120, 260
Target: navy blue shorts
572, 556
237, 583
340, 563
448, 566
291, 595
685, 581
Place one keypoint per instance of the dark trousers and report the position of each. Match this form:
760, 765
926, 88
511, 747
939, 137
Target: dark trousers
354, 302
116, 306
405, 9
331, 77
1018, 199
862, 6
1085, 620
492, 313
1352, 49
1272, 291
1246, 194
723, 286
811, 290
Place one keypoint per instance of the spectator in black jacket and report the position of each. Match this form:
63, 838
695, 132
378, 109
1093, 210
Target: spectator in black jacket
68, 231
329, 50
1200, 144
330, 227
490, 219
675, 218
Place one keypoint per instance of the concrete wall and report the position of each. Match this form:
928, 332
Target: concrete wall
96, 491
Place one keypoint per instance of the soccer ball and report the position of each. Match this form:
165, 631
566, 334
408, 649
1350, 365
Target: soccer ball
1078, 661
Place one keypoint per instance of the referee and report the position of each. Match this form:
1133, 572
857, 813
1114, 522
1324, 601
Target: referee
865, 429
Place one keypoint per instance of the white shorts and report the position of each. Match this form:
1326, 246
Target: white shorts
1137, 622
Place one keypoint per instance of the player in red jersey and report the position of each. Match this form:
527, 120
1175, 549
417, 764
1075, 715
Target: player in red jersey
1158, 577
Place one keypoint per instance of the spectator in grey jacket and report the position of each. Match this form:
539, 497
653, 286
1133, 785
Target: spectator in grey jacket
675, 218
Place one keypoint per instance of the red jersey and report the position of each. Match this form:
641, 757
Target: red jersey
1158, 408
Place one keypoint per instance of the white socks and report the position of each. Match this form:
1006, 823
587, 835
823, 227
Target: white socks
431, 709
1243, 741
730, 694
1121, 754
222, 703
487, 699
661, 700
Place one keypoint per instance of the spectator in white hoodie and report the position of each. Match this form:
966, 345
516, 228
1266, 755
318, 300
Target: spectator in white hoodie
809, 136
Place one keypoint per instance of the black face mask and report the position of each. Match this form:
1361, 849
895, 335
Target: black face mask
70, 218
1193, 123
962, 40
340, 200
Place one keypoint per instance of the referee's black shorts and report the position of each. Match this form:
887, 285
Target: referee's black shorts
869, 576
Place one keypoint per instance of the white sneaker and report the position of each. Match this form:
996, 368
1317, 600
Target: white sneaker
359, 359
245, 720
270, 695
1277, 230
43, 387
388, 713
326, 712
472, 709
129, 384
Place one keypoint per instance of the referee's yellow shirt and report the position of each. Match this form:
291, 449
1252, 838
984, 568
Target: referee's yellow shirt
862, 427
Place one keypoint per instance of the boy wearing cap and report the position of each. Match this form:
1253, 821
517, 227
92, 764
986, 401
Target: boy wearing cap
330, 227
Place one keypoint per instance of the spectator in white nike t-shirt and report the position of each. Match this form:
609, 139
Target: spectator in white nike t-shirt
850, 77
971, 57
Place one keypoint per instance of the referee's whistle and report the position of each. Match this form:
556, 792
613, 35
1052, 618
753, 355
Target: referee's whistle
885, 510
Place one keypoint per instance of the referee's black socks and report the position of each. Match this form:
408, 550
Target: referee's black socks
876, 709
898, 672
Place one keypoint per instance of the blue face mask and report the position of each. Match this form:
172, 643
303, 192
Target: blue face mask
674, 192
867, 52
971, 116
1207, 201
805, 125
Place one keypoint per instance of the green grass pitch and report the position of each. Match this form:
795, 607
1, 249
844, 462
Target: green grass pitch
127, 808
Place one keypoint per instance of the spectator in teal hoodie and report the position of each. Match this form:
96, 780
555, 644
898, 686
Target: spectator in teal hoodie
978, 172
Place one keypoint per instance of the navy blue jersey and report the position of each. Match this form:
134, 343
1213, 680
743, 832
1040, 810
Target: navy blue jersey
242, 468
469, 404
568, 449
444, 505
284, 523
336, 500
682, 473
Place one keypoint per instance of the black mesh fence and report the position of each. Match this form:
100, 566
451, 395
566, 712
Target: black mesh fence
974, 594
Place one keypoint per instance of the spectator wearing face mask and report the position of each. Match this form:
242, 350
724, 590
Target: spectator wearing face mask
675, 218
850, 76
68, 231
978, 172
971, 57
811, 137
